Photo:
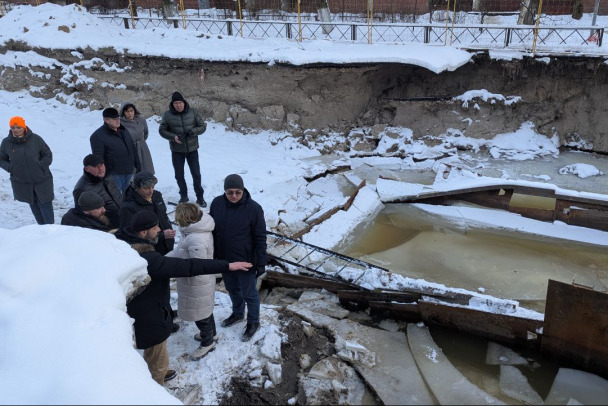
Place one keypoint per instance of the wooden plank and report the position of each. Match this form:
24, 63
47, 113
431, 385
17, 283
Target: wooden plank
356, 300
303, 282
576, 327
409, 312
497, 327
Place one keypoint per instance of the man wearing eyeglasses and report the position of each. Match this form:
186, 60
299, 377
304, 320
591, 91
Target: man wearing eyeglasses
240, 235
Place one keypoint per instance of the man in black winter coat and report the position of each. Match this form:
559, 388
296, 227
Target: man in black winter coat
150, 309
113, 143
240, 235
182, 125
89, 213
141, 196
94, 179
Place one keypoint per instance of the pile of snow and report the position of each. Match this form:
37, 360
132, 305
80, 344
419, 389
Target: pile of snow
523, 144
581, 170
72, 27
65, 330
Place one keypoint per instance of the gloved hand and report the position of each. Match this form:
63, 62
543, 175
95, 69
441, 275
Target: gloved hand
260, 271
189, 133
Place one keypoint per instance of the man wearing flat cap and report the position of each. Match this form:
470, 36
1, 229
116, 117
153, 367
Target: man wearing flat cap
141, 196
113, 143
151, 309
95, 179
182, 125
240, 235
89, 213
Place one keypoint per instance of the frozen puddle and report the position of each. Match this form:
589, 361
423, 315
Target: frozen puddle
448, 385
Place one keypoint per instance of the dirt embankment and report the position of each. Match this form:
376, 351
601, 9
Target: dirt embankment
562, 95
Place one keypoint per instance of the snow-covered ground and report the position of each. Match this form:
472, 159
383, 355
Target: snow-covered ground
67, 336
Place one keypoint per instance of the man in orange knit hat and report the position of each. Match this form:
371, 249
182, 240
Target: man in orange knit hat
27, 158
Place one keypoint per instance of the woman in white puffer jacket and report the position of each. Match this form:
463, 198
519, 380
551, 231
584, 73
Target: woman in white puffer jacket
196, 295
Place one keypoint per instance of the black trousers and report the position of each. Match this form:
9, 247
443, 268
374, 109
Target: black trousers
179, 159
207, 328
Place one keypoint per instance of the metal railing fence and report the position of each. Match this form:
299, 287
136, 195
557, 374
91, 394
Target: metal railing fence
557, 38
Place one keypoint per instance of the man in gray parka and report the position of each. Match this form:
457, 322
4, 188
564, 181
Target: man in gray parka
27, 158
182, 125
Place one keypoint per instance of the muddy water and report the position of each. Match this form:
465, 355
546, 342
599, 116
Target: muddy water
510, 265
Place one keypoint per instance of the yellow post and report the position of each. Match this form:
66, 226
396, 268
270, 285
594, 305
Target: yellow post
447, 13
370, 26
183, 11
540, 8
299, 22
241, 18
453, 19
130, 12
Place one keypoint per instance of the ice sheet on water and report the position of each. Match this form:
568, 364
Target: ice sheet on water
574, 385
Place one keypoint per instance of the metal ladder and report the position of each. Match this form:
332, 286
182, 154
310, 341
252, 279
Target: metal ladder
319, 261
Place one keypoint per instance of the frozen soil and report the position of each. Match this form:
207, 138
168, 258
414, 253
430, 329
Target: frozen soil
563, 96
317, 346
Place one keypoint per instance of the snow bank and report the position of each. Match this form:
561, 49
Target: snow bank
72, 340
72, 27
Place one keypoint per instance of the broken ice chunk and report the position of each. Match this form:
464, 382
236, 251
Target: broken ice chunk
514, 384
500, 355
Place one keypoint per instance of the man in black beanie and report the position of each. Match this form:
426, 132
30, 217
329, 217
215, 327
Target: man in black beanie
182, 125
95, 179
151, 309
240, 235
113, 143
89, 213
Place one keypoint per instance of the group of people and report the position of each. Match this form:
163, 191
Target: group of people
120, 143
116, 193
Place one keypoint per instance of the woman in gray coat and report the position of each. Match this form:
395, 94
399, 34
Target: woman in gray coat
27, 158
133, 121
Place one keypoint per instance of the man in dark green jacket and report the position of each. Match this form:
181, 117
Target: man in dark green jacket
27, 158
182, 125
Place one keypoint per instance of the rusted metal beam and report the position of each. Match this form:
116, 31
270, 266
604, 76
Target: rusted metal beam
597, 219
576, 327
497, 327
534, 213
303, 282
409, 312
356, 300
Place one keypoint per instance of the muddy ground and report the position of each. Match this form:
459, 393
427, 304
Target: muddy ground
318, 346
563, 96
